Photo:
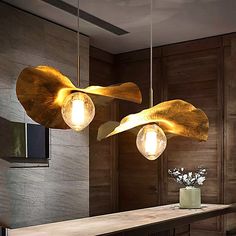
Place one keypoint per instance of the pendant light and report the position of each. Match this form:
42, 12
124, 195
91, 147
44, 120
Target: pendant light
78, 109
51, 100
159, 122
151, 140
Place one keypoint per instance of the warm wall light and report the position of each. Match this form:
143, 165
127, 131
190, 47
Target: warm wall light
151, 141
78, 111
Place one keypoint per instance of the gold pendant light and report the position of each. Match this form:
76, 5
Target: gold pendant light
165, 120
45, 94
51, 99
174, 117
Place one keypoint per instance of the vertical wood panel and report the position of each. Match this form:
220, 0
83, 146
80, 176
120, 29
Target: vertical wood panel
230, 125
102, 154
195, 77
138, 177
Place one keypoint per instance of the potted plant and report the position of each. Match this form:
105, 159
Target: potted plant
190, 195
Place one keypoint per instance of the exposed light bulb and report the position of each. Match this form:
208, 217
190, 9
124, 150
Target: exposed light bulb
78, 110
77, 116
151, 141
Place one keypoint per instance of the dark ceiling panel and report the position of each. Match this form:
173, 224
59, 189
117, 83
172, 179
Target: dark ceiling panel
86, 16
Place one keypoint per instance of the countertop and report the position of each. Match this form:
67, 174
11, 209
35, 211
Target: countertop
161, 216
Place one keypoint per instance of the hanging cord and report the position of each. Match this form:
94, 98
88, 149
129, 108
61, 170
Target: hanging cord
151, 80
78, 49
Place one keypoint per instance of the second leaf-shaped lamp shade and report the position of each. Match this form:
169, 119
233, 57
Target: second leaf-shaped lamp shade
78, 111
151, 141
155, 124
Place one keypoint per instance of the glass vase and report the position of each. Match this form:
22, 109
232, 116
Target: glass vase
190, 198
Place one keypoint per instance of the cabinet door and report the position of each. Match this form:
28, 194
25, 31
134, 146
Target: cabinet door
195, 78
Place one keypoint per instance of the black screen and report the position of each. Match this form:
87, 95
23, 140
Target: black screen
20, 140
37, 141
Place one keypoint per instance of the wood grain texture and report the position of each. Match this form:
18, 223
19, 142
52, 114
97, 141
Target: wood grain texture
60, 192
229, 51
102, 155
147, 221
202, 73
138, 177
194, 76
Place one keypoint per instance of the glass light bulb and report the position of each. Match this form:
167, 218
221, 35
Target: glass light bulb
151, 141
78, 110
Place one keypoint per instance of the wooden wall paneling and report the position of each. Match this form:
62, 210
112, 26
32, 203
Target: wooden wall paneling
203, 73
230, 125
103, 154
194, 76
138, 177
182, 231
191, 46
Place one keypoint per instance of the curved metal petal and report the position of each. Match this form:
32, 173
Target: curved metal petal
38, 89
126, 91
42, 90
175, 117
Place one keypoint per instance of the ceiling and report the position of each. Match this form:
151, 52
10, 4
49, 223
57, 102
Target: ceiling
173, 20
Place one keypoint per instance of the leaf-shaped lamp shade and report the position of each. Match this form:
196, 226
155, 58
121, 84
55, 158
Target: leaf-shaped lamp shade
175, 117
43, 90
171, 118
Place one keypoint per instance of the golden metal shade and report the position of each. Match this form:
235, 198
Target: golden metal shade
42, 90
175, 117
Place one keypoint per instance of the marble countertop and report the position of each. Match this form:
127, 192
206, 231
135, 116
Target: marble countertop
160, 216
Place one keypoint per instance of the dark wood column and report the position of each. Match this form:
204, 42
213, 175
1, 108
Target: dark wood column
102, 155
